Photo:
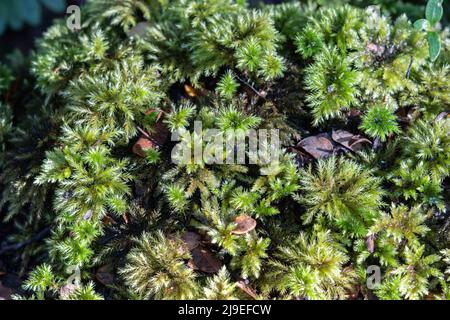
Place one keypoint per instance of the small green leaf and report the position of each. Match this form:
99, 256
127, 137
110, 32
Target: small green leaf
434, 11
434, 44
421, 24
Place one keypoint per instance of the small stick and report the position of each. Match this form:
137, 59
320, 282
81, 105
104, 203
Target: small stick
250, 86
143, 132
408, 72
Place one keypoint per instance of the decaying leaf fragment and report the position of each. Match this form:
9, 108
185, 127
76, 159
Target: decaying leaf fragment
244, 224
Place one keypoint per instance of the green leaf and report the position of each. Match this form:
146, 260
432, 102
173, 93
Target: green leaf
433, 11
421, 24
434, 44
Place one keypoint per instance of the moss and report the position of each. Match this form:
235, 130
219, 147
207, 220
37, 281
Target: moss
361, 177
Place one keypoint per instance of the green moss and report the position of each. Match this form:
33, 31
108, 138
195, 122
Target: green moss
368, 185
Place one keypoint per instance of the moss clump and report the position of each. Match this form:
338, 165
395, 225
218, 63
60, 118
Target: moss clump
361, 178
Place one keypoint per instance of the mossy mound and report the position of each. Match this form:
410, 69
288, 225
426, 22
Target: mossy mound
361, 182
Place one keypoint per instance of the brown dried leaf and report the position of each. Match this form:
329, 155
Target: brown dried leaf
107, 220
301, 157
204, 260
359, 144
349, 140
342, 137
190, 91
244, 224
155, 138
191, 239
142, 145
160, 133
370, 243
318, 146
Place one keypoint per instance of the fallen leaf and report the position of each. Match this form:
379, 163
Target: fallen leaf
318, 146
107, 220
191, 239
190, 91
155, 138
349, 140
142, 145
358, 145
301, 157
342, 137
370, 243
204, 260
376, 143
244, 224
160, 133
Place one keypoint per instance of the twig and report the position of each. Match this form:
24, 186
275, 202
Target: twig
144, 133
38, 236
250, 86
408, 72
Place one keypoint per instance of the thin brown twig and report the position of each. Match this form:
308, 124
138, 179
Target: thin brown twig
408, 72
250, 86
